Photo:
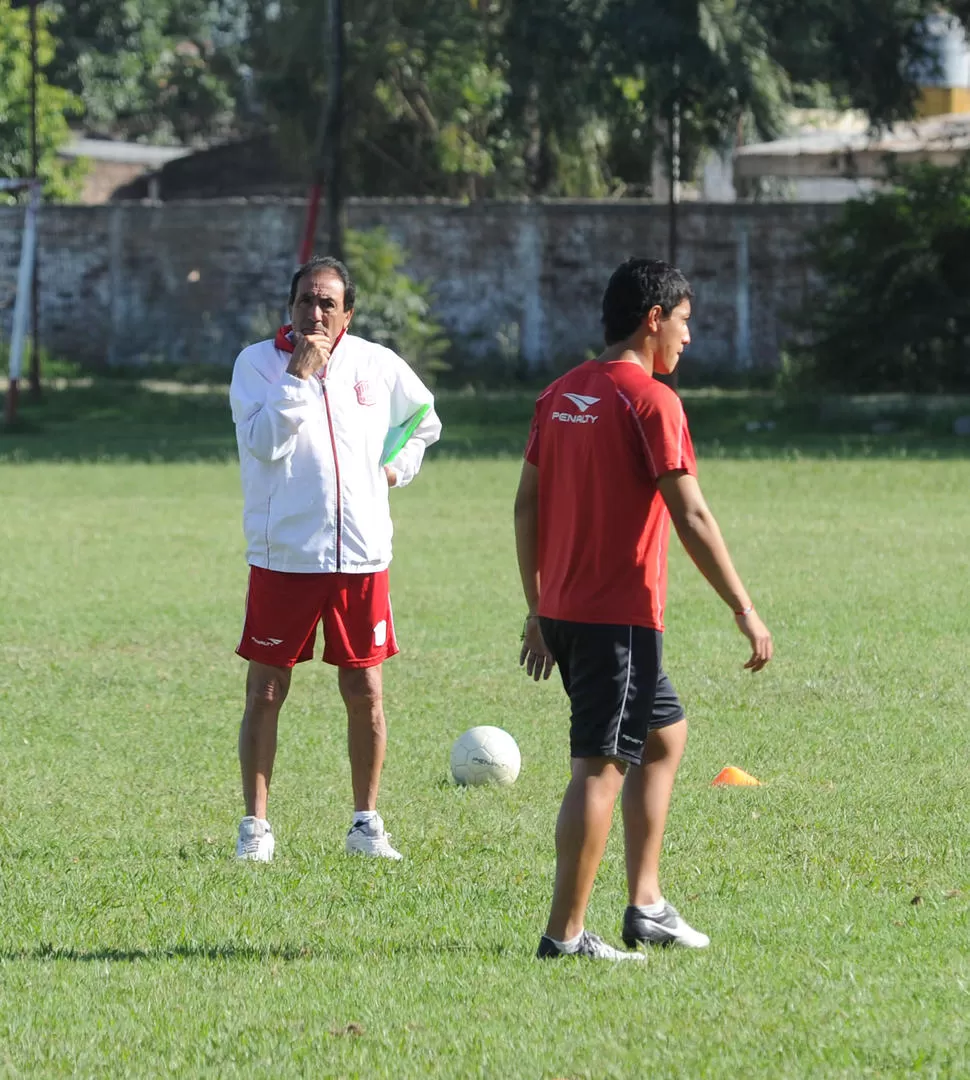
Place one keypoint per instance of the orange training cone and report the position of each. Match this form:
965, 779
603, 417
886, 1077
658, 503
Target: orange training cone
736, 777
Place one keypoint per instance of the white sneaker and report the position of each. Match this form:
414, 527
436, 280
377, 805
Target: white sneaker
256, 841
369, 838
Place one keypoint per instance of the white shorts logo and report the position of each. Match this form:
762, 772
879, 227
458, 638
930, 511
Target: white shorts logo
380, 633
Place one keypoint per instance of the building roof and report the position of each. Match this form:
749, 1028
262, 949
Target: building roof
942, 140
244, 168
123, 153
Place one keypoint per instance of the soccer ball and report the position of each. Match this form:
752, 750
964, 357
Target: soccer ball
485, 755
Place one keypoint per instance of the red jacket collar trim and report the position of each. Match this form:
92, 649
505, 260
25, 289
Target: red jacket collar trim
283, 341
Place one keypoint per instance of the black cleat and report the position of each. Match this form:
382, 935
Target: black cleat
667, 928
590, 947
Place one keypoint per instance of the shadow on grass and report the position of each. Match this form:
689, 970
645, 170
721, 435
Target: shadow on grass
153, 421
245, 953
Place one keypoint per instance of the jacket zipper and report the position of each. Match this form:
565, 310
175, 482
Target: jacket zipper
336, 469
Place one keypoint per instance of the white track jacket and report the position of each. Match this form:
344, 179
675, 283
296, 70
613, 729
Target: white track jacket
314, 491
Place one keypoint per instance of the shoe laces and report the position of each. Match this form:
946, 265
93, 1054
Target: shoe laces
251, 833
249, 842
591, 945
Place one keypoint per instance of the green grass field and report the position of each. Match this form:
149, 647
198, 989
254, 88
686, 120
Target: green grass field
837, 895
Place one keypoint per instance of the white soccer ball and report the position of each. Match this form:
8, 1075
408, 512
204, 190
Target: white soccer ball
485, 755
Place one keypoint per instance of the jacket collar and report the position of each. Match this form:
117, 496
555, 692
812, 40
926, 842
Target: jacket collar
283, 340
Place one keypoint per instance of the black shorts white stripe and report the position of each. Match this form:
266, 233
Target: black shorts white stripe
616, 685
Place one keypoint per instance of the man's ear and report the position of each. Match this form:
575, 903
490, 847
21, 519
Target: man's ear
655, 317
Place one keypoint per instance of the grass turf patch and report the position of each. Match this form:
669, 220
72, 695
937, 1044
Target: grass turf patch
837, 896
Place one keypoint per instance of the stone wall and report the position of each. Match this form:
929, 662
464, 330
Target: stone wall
192, 282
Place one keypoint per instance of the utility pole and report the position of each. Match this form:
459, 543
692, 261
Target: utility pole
673, 171
673, 168
34, 172
327, 163
333, 146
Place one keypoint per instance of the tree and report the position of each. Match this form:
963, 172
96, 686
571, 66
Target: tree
394, 309
476, 98
54, 105
420, 93
466, 97
708, 62
559, 110
155, 70
892, 312
866, 52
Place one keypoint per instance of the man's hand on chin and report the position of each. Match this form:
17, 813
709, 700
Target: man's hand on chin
311, 352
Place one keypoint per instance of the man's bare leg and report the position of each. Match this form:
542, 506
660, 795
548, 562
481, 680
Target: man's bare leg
646, 801
581, 834
363, 694
266, 690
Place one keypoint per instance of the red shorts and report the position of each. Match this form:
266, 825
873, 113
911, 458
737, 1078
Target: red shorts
283, 610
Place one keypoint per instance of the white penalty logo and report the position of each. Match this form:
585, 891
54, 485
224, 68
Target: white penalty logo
583, 403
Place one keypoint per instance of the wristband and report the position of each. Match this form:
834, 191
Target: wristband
745, 611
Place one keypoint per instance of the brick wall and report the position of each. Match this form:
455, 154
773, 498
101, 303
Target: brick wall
194, 281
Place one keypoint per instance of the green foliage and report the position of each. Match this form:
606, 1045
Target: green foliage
54, 106
893, 311
865, 52
392, 308
712, 59
564, 113
158, 70
52, 365
544, 97
438, 79
423, 93
479, 98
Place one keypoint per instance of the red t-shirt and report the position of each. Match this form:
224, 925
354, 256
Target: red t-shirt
601, 437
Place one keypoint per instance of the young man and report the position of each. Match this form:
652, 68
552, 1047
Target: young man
312, 409
609, 463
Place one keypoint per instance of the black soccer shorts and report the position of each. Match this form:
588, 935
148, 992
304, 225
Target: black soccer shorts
617, 688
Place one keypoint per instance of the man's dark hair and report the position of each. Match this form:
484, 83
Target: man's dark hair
637, 286
326, 262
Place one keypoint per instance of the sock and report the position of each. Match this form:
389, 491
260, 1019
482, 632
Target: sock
570, 946
361, 817
652, 909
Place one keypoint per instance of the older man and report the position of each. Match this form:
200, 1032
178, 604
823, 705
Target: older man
313, 409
